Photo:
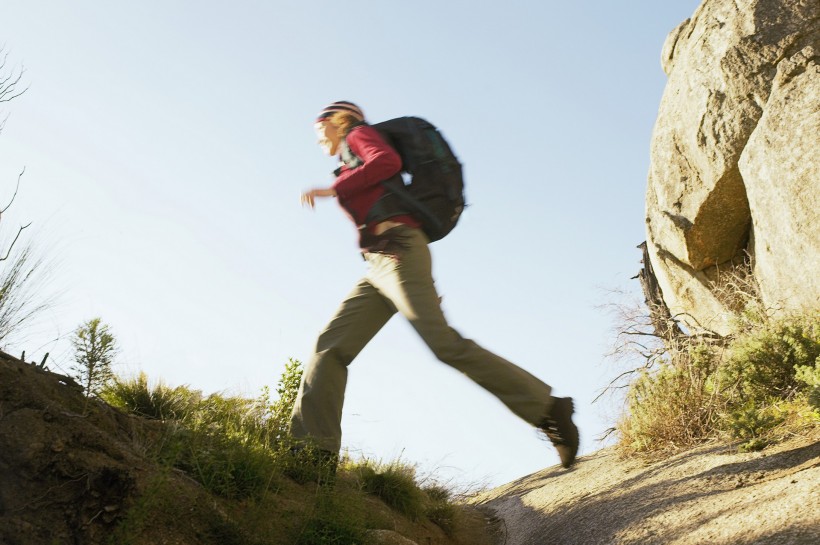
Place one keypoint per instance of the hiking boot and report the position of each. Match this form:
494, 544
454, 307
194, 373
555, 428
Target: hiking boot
561, 431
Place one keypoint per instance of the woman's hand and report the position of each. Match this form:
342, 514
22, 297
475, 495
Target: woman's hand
308, 198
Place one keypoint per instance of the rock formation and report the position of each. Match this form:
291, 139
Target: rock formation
735, 159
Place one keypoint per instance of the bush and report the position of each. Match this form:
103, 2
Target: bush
223, 443
750, 422
810, 376
764, 370
673, 406
276, 413
763, 363
744, 386
237, 448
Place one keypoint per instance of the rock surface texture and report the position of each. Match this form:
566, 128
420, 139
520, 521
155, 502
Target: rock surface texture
735, 166
712, 495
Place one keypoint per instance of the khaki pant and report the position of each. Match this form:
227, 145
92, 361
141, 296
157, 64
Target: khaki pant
400, 284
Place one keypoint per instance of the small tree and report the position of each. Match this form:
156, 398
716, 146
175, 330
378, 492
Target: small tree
288, 387
94, 350
277, 413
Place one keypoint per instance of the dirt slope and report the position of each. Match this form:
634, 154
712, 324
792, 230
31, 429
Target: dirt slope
70, 471
710, 495
77, 472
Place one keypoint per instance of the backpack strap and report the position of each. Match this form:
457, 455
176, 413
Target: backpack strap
390, 204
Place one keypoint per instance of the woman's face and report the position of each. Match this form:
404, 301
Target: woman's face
329, 137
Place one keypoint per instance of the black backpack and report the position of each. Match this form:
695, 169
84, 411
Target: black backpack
433, 193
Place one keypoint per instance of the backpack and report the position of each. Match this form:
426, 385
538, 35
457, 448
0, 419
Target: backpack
434, 190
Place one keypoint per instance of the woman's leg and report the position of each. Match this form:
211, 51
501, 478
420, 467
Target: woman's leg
408, 283
317, 412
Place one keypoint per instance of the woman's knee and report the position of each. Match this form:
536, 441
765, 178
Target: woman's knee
331, 355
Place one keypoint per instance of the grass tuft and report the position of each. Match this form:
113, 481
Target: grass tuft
393, 483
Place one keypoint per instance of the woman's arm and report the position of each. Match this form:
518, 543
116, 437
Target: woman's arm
308, 198
380, 162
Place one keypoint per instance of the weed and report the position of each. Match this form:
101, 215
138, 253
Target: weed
227, 447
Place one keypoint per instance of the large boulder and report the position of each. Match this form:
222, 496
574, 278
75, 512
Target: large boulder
781, 170
734, 157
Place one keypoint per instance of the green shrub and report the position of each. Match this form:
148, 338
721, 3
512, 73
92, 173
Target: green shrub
227, 445
750, 422
764, 362
234, 446
766, 368
810, 376
276, 413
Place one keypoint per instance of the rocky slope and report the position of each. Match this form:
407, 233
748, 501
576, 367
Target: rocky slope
735, 168
712, 495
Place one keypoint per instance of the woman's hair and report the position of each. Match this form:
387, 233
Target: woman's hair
344, 121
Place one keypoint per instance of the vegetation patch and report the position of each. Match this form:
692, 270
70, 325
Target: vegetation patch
239, 450
755, 386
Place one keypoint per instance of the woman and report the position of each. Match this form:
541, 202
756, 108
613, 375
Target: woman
398, 279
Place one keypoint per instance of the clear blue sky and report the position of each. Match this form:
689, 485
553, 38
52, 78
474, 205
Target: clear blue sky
166, 144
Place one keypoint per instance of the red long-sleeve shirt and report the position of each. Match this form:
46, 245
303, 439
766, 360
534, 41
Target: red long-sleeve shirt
357, 189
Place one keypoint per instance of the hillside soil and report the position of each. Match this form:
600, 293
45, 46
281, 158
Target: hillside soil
79, 472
